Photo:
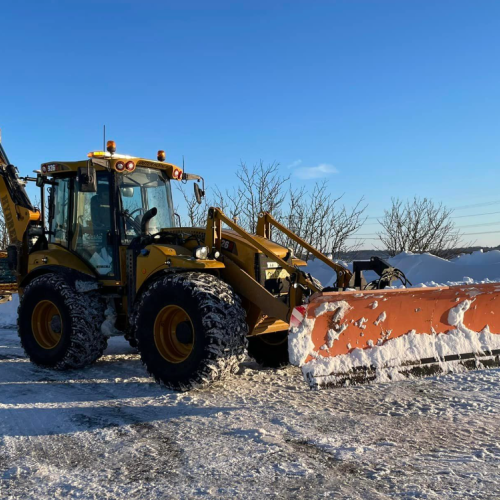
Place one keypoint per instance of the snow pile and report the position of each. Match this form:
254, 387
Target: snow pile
428, 269
300, 344
8, 312
108, 326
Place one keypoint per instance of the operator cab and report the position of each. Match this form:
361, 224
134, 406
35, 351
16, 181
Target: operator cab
97, 205
140, 191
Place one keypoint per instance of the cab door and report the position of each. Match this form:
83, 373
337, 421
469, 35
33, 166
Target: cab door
94, 227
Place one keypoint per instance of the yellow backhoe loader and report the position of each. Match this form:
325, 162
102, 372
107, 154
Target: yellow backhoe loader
103, 253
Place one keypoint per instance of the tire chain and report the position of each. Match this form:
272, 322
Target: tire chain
87, 342
223, 318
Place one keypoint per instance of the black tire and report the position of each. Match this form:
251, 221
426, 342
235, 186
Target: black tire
269, 350
132, 341
130, 336
80, 340
217, 329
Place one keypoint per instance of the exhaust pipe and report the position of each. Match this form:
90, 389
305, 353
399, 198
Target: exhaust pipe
145, 220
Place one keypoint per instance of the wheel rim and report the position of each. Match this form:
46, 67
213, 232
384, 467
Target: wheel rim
46, 324
171, 322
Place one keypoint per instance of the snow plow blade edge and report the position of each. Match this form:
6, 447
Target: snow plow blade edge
341, 338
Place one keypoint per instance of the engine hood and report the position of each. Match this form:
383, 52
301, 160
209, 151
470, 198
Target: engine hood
239, 242
277, 249
240, 250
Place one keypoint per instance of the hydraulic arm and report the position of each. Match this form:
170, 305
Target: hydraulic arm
18, 212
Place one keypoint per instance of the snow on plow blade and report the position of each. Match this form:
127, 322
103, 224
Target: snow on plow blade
355, 337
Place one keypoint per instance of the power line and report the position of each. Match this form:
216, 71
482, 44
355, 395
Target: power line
458, 227
483, 224
464, 234
487, 204
487, 232
473, 215
453, 217
460, 207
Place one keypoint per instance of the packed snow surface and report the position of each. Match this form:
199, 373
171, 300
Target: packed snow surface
299, 339
110, 432
8, 312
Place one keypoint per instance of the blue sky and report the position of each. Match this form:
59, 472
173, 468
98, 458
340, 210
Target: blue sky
380, 98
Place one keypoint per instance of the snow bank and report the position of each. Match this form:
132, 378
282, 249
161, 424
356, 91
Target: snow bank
425, 268
428, 269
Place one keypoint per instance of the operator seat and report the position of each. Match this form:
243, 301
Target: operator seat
100, 211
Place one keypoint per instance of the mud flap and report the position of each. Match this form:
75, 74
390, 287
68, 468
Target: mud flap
355, 337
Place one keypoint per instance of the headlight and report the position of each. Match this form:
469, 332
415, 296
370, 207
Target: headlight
201, 252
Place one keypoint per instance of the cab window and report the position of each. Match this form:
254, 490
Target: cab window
140, 191
59, 212
93, 227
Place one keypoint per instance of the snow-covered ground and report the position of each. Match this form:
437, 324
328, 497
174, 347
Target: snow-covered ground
109, 432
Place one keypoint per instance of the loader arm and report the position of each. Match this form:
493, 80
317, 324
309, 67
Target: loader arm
16, 205
18, 213
266, 220
214, 241
3, 156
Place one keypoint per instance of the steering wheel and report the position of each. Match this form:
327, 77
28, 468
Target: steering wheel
140, 209
132, 220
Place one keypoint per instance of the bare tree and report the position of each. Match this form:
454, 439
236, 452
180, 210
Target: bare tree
319, 219
260, 189
418, 226
316, 216
231, 203
196, 213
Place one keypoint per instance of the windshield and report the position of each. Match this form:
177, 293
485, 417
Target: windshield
143, 189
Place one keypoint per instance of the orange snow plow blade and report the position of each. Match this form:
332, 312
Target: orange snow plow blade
355, 337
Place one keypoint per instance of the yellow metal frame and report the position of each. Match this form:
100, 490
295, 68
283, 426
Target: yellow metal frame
108, 162
266, 221
17, 218
213, 238
274, 308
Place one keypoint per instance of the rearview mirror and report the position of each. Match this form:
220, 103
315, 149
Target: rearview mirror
199, 193
128, 192
87, 180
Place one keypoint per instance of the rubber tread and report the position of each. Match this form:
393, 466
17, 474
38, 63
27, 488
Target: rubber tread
223, 322
87, 343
